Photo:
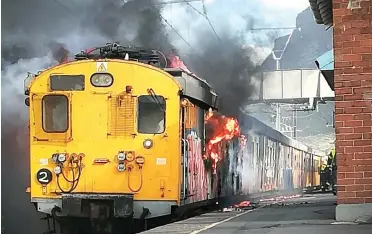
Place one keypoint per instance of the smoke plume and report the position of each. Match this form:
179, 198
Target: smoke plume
38, 34
228, 66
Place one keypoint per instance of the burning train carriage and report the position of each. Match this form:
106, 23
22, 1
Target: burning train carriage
87, 122
269, 161
258, 159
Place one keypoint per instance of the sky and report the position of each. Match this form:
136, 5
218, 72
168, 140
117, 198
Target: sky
238, 14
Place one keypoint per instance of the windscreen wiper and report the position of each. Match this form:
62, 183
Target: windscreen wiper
154, 96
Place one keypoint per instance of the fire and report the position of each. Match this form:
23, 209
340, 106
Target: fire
61, 55
221, 128
176, 62
243, 204
243, 140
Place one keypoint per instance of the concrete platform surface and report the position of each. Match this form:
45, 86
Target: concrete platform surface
306, 215
302, 215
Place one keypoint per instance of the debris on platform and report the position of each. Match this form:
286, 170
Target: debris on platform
228, 209
280, 198
247, 205
243, 204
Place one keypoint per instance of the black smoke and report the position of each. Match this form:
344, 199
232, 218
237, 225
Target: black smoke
228, 65
38, 33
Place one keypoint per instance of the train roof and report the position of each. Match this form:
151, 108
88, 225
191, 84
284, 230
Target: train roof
249, 123
192, 86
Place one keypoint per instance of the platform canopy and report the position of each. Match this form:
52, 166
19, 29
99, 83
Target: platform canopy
322, 11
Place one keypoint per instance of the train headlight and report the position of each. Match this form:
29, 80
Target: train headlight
62, 158
58, 170
147, 143
101, 80
121, 167
121, 156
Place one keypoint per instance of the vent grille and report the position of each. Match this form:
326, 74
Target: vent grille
123, 119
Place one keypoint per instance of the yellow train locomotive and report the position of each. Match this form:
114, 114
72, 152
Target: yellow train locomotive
107, 138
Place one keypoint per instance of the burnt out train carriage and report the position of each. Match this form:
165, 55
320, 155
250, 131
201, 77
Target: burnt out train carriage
270, 161
113, 139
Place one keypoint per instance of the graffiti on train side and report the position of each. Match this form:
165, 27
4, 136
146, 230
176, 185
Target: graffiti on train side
198, 187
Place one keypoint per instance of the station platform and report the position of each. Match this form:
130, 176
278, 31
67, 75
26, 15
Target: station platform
306, 214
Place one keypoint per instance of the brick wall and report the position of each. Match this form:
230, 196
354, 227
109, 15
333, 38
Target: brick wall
353, 87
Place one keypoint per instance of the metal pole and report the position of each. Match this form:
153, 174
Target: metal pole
278, 117
277, 122
295, 124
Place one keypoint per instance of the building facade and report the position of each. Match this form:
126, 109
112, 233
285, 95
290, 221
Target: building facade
352, 80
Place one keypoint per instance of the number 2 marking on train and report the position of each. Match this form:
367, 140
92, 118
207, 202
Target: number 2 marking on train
44, 176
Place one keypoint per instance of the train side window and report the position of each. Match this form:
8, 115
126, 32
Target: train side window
55, 113
151, 114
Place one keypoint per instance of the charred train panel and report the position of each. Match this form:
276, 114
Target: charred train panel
195, 88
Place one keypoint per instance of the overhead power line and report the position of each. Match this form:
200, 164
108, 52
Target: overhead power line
176, 1
66, 7
171, 26
279, 28
205, 16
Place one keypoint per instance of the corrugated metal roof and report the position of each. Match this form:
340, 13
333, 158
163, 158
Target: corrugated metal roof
322, 11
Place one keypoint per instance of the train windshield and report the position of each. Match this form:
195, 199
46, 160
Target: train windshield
151, 114
55, 113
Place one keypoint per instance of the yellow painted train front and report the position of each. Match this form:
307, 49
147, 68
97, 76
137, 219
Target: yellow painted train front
104, 128
91, 125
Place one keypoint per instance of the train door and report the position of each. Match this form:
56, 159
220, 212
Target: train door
192, 133
276, 165
312, 170
281, 166
263, 159
184, 151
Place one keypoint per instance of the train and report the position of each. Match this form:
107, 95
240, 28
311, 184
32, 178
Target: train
117, 139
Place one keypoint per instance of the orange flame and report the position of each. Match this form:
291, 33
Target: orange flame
176, 62
61, 55
243, 140
222, 128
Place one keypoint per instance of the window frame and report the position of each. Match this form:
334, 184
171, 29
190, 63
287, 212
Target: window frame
67, 113
165, 114
66, 90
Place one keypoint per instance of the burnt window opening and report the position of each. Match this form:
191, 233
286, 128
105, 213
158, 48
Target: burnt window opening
67, 82
151, 114
55, 113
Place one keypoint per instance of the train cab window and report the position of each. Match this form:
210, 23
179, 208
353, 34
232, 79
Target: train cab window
151, 114
67, 82
55, 113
